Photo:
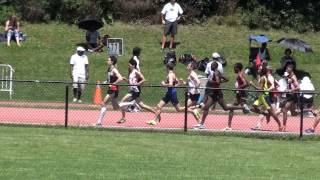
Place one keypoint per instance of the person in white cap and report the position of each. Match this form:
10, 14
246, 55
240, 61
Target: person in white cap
215, 57
79, 72
170, 15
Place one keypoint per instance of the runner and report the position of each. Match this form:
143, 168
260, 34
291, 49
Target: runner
171, 94
193, 84
135, 80
274, 96
241, 84
113, 78
213, 96
264, 98
291, 98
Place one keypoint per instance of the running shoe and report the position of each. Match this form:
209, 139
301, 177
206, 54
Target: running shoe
74, 100
199, 126
309, 130
227, 129
246, 109
98, 125
121, 120
151, 122
257, 128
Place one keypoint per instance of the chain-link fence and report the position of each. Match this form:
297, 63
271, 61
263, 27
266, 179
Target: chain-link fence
52, 103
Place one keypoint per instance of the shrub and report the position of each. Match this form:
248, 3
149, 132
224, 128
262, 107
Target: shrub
5, 12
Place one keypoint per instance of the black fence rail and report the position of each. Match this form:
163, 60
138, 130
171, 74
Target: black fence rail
51, 103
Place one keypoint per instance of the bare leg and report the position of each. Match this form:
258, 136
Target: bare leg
171, 41
18, 41
285, 110
8, 39
148, 108
275, 117
159, 108
124, 99
164, 39
230, 117
208, 103
230, 109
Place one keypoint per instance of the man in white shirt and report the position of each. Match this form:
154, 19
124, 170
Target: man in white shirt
79, 72
208, 71
170, 14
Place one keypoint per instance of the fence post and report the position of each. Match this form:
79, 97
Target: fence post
301, 115
66, 108
186, 110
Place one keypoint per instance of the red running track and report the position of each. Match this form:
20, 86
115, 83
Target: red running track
14, 115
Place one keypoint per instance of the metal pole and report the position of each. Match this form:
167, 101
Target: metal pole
186, 110
301, 116
66, 106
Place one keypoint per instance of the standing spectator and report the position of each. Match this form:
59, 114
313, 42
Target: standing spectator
93, 40
170, 15
13, 29
79, 72
215, 57
136, 56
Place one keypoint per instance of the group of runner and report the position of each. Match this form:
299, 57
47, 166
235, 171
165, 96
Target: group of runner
267, 104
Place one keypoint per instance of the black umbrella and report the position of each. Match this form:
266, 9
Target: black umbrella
90, 24
294, 43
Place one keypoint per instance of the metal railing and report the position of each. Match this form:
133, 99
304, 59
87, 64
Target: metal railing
6, 73
50, 103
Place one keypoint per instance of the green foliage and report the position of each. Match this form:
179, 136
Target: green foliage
300, 16
5, 12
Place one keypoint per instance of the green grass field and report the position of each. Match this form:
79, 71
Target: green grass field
46, 53
49, 153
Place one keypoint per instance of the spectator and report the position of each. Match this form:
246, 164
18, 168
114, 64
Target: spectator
93, 41
264, 53
79, 72
288, 58
136, 56
215, 57
13, 29
170, 14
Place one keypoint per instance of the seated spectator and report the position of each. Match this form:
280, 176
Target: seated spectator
257, 57
93, 40
12, 29
264, 53
288, 58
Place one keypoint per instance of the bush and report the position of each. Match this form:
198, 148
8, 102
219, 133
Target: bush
5, 12
298, 15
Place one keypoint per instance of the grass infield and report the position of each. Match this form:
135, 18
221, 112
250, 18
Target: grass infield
57, 153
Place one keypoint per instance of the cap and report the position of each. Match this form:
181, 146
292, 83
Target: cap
215, 55
79, 48
306, 79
